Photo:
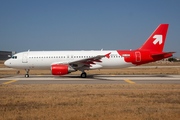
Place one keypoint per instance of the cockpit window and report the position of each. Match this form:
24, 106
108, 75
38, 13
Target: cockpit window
14, 57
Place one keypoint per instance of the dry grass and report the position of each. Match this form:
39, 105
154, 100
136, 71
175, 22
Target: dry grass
162, 63
89, 102
124, 71
2, 64
86, 102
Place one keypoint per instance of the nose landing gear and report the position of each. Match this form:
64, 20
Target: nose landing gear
27, 73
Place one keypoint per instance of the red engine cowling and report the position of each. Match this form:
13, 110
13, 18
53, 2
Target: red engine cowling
61, 69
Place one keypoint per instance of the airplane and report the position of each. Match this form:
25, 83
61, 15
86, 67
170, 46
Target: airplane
65, 62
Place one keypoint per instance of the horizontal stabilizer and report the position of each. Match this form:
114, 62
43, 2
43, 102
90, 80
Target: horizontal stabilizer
162, 54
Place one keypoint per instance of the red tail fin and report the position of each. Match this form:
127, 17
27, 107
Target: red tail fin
156, 41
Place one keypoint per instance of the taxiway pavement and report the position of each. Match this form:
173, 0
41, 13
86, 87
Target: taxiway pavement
91, 79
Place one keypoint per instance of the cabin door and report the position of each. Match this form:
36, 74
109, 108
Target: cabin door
25, 58
138, 56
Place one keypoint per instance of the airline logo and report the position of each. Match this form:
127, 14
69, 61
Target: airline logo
158, 38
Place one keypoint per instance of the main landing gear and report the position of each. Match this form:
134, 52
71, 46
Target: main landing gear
27, 73
83, 75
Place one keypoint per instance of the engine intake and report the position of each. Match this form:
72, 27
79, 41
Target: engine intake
61, 69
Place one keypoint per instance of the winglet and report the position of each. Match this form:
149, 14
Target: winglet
107, 55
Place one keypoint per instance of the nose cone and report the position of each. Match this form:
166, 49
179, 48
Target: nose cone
7, 63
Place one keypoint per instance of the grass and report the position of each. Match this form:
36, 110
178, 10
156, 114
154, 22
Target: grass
124, 71
92, 101
86, 102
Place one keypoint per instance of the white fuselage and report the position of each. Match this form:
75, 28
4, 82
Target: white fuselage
44, 59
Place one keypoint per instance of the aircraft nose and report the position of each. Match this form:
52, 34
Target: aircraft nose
7, 63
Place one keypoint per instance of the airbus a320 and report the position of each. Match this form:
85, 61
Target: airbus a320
64, 62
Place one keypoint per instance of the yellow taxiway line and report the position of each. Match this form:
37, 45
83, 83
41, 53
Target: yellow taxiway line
129, 81
10, 81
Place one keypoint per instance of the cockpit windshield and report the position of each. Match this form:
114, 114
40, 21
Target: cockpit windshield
14, 57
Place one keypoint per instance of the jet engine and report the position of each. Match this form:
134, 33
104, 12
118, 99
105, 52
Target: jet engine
61, 69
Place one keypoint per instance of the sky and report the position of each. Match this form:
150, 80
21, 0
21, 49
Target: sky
45, 25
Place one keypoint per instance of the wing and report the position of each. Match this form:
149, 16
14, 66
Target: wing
86, 62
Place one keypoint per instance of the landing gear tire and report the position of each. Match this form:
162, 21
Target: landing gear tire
83, 75
26, 75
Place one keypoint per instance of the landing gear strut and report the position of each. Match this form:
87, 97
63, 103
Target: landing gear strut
27, 73
83, 75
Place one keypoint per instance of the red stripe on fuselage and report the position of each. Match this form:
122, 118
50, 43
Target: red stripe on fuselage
138, 57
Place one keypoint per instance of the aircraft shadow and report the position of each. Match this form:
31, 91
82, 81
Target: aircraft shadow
101, 77
114, 76
90, 77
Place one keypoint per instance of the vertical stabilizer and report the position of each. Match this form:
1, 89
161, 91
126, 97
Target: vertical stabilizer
156, 41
